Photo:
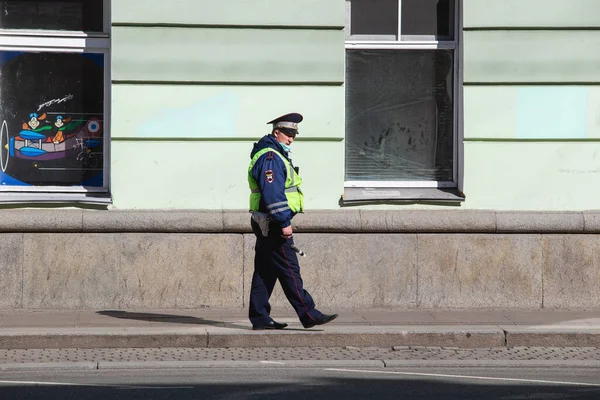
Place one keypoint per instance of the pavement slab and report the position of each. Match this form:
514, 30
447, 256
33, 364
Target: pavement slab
39, 318
218, 328
399, 317
466, 317
552, 317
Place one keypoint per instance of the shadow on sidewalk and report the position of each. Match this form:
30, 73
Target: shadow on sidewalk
170, 318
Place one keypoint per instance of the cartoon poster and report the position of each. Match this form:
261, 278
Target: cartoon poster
52, 116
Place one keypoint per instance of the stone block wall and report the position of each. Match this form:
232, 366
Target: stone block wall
183, 259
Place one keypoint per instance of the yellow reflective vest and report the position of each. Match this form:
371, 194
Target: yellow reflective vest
295, 198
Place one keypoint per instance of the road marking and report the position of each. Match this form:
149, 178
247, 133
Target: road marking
115, 386
132, 387
485, 378
36, 383
272, 362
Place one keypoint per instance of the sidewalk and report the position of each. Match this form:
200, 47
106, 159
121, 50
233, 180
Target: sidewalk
219, 328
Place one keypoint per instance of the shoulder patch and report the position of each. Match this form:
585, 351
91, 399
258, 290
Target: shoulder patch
269, 176
270, 155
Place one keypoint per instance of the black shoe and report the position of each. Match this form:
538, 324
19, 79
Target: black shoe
270, 325
319, 321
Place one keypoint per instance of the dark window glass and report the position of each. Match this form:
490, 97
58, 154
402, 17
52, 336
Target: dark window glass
374, 18
399, 115
433, 18
52, 116
66, 15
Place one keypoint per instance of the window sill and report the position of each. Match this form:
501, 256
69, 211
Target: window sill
358, 196
55, 198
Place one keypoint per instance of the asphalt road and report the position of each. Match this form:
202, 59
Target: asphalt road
305, 384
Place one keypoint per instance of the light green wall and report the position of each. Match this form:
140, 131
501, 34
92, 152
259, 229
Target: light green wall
194, 83
167, 54
531, 104
317, 13
223, 111
512, 112
517, 56
531, 13
532, 175
213, 175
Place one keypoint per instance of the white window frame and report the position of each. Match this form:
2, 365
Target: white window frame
400, 44
69, 42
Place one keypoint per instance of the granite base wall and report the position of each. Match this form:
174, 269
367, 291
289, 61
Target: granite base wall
131, 261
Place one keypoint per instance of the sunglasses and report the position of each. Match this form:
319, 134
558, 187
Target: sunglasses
288, 133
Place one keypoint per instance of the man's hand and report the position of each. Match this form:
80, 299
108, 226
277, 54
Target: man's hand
286, 232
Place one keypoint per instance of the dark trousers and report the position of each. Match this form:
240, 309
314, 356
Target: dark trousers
275, 260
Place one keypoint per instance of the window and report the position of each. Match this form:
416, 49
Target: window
54, 90
401, 96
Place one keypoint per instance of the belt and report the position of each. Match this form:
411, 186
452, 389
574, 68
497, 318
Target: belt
293, 189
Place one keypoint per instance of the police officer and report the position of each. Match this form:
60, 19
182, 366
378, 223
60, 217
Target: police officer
274, 200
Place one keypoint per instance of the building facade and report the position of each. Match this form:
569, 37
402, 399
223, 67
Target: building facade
448, 149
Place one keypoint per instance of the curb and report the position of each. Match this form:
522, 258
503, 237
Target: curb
466, 337
491, 363
243, 364
326, 364
107, 340
58, 366
461, 337
154, 365
555, 338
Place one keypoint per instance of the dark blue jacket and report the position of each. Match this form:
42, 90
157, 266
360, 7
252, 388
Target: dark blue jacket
272, 192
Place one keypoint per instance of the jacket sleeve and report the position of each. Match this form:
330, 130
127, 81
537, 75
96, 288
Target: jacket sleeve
270, 174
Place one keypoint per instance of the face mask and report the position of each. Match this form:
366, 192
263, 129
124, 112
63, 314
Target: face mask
286, 148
